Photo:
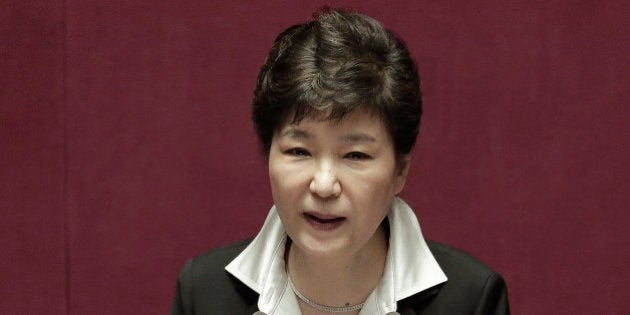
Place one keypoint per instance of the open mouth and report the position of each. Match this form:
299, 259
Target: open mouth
323, 222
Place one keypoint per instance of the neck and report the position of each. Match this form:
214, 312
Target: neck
340, 280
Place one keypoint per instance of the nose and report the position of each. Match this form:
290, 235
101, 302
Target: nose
325, 182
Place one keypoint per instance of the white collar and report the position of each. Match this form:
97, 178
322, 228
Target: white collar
409, 269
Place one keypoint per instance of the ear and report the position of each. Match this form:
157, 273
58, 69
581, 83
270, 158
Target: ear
402, 170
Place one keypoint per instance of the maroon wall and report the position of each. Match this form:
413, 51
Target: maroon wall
126, 144
33, 273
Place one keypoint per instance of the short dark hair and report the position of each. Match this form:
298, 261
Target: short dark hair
334, 63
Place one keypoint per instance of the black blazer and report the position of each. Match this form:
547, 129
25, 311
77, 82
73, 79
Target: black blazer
204, 287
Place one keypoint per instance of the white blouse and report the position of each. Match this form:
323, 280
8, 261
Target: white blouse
409, 268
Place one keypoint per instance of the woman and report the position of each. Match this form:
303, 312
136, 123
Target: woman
337, 108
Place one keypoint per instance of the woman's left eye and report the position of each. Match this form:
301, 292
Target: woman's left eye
357, 156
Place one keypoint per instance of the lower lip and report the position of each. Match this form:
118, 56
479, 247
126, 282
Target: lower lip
321, 225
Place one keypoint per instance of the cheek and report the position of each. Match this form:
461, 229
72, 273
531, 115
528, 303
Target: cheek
284, 182
277, 184
376, 192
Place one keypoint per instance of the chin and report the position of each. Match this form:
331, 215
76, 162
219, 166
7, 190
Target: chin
323, 249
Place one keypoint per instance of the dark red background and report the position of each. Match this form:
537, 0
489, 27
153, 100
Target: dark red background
126, 145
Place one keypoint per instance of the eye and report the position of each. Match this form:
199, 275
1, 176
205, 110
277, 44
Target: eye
297, 152
357, 156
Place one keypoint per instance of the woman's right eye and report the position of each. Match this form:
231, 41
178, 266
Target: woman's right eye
297, 152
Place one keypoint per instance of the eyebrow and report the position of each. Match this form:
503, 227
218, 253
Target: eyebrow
351, 137
295, 133
358, 137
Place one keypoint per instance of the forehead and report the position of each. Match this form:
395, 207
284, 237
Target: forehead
358, 125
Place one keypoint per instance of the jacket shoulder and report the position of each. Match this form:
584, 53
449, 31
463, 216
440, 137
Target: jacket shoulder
216, 259
205, 287
471, 288
458, 264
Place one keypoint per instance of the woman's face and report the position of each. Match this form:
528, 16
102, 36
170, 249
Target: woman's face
333, 182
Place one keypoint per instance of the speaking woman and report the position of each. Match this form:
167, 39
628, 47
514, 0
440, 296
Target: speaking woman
337, 108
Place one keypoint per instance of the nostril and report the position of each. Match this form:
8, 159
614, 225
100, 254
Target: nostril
324, 182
